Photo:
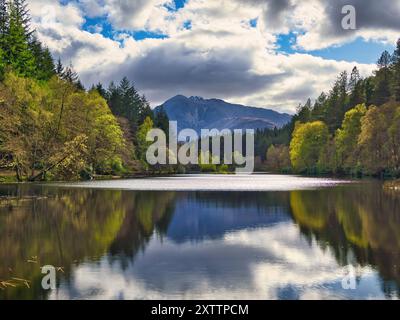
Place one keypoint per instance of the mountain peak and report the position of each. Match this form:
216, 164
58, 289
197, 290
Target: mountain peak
198, 113
196, 98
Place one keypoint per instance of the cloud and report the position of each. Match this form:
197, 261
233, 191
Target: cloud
375, 20
220, 56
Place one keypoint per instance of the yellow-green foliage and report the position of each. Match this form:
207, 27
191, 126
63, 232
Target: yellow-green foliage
278, 158
307, 145
143, 144
54, 129
379, 140
347, 137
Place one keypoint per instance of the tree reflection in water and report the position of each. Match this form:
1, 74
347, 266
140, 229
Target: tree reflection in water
66, 228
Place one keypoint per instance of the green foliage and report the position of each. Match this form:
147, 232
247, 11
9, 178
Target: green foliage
161, 121
362, 117
307, 145
379, 140
278, 158
55, 129
20, 51
346, 139
143, 144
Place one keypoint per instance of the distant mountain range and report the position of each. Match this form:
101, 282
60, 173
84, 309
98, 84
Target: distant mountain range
198, 113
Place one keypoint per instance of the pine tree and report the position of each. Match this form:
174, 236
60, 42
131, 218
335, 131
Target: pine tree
114, 99
145, 110
130, 102
4, 18
43, 60
59, 68
356, 89
382, 89
354, 79
100, 89
337, 103
18, 52
70, 75
369, 90
21, 8
161, 120
396, 72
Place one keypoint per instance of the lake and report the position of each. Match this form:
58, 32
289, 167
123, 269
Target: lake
201, 237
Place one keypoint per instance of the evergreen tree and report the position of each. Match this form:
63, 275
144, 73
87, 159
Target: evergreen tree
382, 89
337, 103
43, 60
131, 102
114, 99
354, 79
145, 110
356, 89
60, 68
319, 109
70, 75
161, 120
80, 86
4, 18
21, 9
100, 89
18, 53
369, 90
396, 72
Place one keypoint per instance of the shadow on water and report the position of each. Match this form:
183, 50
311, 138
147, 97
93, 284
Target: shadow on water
39, 225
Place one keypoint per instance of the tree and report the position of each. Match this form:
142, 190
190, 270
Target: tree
396, 72
59, 68
307, 145
278, 158
369, 90
43, 60
18, 52
4, 29
161, 120
70, 75
336, 104
319, 108
53, 129
346, 138
21, 10
382, 88
143, 144
372, 140
356, 88
100, 89
145, 110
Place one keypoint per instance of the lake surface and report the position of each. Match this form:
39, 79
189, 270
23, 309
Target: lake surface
201, 237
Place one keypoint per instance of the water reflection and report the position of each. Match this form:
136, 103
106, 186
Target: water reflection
258, 245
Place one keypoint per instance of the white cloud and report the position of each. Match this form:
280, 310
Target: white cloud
221, 55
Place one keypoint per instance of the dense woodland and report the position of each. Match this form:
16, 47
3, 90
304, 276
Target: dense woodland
353, 129
51, 127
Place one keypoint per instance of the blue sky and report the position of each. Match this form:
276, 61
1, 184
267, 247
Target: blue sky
271, 53
358, 50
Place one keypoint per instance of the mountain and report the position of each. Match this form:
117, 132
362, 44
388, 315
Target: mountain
198, 113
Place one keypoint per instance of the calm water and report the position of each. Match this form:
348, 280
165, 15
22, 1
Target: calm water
274, 237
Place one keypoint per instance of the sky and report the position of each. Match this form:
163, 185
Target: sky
264, 53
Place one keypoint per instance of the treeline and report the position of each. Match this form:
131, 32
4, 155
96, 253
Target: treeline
51, 128
20, 51
353, 129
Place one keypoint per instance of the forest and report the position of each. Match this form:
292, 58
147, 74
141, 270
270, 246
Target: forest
51, 127
354, 129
